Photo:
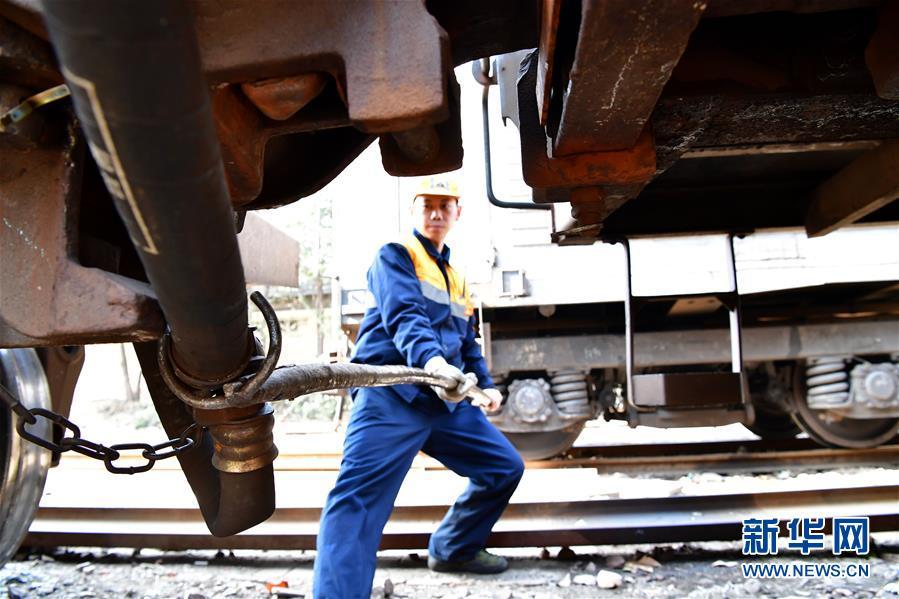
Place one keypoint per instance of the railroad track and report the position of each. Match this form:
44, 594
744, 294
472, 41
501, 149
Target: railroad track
129, 518
727, 457
596, 522
660, 458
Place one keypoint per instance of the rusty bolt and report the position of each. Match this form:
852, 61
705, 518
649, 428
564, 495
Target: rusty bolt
281, 98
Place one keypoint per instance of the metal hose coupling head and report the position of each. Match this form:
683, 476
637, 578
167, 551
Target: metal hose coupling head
242, 438
241, 430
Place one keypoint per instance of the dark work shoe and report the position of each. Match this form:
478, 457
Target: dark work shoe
481, 563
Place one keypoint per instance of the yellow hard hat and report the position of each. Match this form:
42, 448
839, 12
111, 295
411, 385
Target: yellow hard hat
437, 185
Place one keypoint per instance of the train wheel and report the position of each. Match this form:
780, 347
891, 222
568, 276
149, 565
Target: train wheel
24, 464
545, 444
773, 425
770, 390
832, 429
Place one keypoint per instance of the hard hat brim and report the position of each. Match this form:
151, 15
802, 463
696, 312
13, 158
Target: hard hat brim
436, 195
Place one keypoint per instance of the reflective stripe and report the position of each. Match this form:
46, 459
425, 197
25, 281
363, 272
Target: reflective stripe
459, 311
434, 294
442, 297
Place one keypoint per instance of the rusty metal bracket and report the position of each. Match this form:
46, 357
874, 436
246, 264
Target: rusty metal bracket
427, 149
245, 134
48, 297
235, 392
625, 54
367, 53
634, 165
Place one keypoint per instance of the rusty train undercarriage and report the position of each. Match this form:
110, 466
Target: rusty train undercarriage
120, 205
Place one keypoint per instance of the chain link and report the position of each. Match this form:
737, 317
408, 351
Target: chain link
188, 438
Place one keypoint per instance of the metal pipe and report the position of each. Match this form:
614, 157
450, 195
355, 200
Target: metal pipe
484, 79
629, 348
134, 72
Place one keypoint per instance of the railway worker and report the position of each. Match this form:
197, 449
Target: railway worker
423, 318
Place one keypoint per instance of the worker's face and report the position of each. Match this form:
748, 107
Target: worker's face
435, 216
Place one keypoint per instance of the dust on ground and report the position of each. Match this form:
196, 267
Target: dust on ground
696, 571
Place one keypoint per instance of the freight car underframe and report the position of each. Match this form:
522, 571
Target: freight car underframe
863, 357
836, 379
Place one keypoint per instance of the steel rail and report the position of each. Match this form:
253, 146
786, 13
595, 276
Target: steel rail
766, 461
667, 458
597, 522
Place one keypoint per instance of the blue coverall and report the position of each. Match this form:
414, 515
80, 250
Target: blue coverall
422, 309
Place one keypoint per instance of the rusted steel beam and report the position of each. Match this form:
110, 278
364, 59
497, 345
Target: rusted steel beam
26, 14
869, 182
244, 133
715, 120
26, 60
782, 149
882, 53
625, 54
46, 297
388, 87
634, 165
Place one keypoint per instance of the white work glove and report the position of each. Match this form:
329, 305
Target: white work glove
496, 400
437, 365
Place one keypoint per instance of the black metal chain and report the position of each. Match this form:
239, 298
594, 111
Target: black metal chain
108, 455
